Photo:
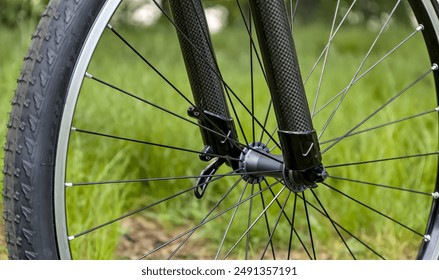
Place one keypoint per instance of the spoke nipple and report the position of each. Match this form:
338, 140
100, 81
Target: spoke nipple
434, 67
427, 238
437, 109
73, 128
71, 237
88, 75
420, 27
110, 26
68, 184
435, 195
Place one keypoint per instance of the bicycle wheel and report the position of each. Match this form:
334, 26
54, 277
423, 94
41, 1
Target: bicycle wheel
101, 159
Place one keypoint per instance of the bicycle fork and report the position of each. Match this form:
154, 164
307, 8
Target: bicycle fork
300, 165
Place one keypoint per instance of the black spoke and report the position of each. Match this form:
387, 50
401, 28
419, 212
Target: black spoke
267, 224
267, 114
236, 116
372, 209
325, 61
309, 227
293, 217
237, 172
272, 134
110, 136
252, 82
435, 110
379, 185
250, 211
382, 160
332, 222
293, 12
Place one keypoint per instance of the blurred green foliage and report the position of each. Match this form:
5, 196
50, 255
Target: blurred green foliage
13, 12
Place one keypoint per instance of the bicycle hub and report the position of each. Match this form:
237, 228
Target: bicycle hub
256, 163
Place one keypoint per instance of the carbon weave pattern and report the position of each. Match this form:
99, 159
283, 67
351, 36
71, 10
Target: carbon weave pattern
280, 59
198, 55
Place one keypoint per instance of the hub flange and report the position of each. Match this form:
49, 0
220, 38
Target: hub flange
257, 163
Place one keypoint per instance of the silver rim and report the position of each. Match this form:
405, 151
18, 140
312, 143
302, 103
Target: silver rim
72, 96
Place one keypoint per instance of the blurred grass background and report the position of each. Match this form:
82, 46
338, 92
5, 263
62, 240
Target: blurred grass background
98, 162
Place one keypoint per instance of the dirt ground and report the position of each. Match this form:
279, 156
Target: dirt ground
144, 235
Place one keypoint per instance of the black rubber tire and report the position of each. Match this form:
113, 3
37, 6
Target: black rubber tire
29, 215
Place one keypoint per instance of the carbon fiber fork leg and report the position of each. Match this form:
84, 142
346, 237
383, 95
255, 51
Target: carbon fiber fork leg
300, 147
217, 127
204, 77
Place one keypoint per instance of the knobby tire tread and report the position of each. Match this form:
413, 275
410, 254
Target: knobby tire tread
35, 118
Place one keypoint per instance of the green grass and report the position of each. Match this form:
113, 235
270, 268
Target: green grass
94, 159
